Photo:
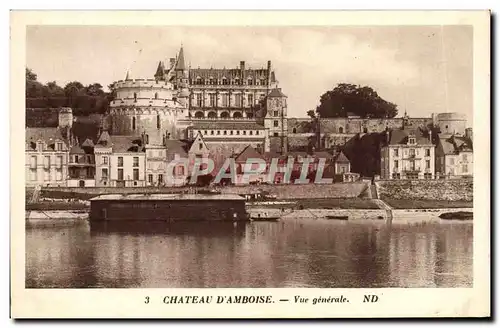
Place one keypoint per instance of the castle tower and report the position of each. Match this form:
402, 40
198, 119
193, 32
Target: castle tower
65, 117
182, 79
276, 122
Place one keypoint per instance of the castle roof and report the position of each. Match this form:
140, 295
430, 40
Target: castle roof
180, 65
76, 150
455, 144
229, 125
219, 73
176, 147
160, 70
104, 140
88, 143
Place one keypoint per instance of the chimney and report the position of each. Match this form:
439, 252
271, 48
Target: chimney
468, 133
268, 72
430, 135
387, 135
172, 62
242, 70
164, 139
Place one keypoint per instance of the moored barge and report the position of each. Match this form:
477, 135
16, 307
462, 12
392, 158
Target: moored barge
168, 207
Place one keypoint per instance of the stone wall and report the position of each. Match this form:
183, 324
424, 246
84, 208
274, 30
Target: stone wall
456, 189
302, 191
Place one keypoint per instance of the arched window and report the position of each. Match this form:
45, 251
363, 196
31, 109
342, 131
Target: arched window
212, 114
133, 123
250, 81
341, 130
249, 115
156, 95
147, 138
135, 95
224, 81
237, 115
158, 123
224, 115
199, 114
237, 81
198, 80
294, 130
365, 130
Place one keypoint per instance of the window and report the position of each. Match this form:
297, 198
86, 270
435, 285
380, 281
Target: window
46, 162
250, 81
147, 138
452, 161
427, 164
105, 173
198, 80
74, 158
160, 178
250, 132
237, 81
40, 146
225, 132
59, 146
427, 152
412, 152
464, 157
135, 96
341, 130
180, 170
158, 123
136, 162
250, 99
276, 113
411, 140
200, 146
120, 161
224, 81
120, 174
231, 132
396, 152
396, 165
32, 174
276, 124
224, 100
244, 133
365, 130
212, 99
427, 176
198, 100
412, 165
59, 161
212, 132
156, 95
396, 175
150, 178
238, 132
275, 134
33, 162
294, 130
412, 176
218, 132
465, 168
237, 99
211, 81
136, 174
262, 82
257, 132
133, 123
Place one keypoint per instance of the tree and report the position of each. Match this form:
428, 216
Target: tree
347, 99
311, 113
30, 75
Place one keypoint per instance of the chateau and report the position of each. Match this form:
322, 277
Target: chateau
218, 113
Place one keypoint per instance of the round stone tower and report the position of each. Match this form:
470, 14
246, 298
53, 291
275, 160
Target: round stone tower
451, 123
145, 106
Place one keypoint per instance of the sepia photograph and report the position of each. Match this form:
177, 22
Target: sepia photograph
301, 156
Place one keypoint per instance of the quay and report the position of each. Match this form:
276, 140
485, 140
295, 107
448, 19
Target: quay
168, 207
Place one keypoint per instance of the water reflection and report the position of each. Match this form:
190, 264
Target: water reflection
291, 253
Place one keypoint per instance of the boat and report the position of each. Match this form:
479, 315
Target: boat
461, 216
337, 217
168, 207
264, 217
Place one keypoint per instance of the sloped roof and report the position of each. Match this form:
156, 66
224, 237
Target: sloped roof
219, 73
455, 144
178, 147
341, 158
88, 143
229, 125
276, 93
160, 70
48, 135
104, 140
180, 65
125, 144
247, 153
76, 150
400, 137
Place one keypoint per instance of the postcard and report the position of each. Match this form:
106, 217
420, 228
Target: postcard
250, 164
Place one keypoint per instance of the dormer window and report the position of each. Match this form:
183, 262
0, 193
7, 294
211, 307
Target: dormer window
224, 81
198, 80
40, 146
250, 81
412, 140
237, 81
59, 146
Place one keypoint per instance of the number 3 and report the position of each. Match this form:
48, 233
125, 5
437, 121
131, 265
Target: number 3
147, 300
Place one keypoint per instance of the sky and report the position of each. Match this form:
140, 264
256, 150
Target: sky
422, 69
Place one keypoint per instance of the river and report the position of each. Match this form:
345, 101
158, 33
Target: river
290, 253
